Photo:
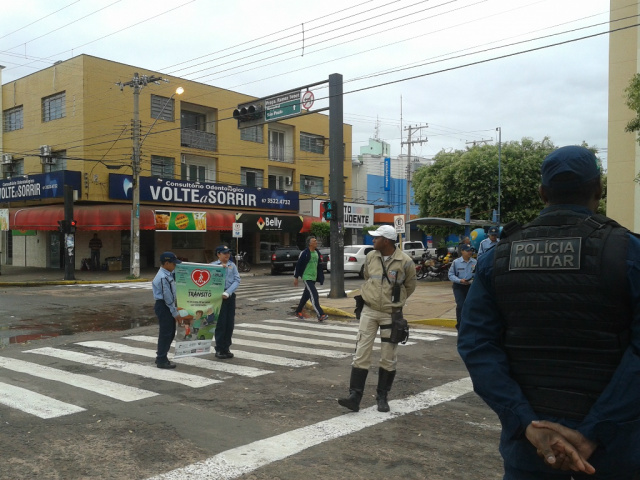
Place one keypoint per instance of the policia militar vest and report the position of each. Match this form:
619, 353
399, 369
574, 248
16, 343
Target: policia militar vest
561, 287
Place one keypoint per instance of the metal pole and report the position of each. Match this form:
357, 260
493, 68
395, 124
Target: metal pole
336, 184
69, 247
499, 129
135, 206
408, 213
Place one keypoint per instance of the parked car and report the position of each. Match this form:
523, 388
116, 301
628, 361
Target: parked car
284, 259
325, 253
354, 256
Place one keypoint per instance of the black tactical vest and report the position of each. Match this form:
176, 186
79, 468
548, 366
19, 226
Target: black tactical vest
561, 287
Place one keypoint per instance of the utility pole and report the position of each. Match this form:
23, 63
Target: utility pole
410, 142
499, 130
137, 83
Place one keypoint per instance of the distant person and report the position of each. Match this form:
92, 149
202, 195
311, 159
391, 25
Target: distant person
227, 315
464, 241
309, 267
95, 244
166, 308
489, 243
550, 333
461, 274
390, 278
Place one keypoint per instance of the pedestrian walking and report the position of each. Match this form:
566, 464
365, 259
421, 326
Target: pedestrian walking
390, 278
309, 267
227, 315
489, 243
461, 274
166, 308
95, 244
550, 333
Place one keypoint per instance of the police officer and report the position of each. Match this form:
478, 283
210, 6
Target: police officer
550, 333
488, 243
461, 274
390, 278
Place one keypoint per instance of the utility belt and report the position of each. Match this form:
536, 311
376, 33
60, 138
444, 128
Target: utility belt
399, 327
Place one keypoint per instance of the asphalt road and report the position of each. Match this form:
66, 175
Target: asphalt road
92, 405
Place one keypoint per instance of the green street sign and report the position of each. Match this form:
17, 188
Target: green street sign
285, 105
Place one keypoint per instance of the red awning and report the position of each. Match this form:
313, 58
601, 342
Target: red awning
104, 217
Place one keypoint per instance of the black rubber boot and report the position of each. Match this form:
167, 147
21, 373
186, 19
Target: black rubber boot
385, 380
356, 389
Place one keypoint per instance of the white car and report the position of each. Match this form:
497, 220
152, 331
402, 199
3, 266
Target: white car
354, 256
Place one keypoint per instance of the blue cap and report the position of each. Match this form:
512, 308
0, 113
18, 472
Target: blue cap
169, 257
580, 163
222, 249
494, 231
465, 248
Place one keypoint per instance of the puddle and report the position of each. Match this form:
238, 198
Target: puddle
26, 330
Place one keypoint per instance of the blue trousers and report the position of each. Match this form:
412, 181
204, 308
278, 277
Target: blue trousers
460, 295
167, 330
310, 293
226, 322
513, 473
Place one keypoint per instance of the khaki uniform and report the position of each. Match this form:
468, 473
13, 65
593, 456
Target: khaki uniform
376, 293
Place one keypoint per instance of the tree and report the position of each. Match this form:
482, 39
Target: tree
470, 177
632, 101
321, 230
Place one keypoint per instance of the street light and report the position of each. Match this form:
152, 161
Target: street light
135, 191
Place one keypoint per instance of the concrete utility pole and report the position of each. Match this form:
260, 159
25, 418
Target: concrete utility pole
410, 142
499, 130
137, 83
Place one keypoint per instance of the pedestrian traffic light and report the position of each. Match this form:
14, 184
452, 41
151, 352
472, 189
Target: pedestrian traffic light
330, 210
72, 226
248, 112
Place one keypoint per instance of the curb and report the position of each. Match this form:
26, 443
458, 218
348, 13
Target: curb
435, 322
35, 283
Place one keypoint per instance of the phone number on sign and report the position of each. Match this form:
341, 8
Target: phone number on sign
279, 201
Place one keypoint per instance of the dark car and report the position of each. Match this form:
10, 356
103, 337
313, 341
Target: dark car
325, 253
284, 259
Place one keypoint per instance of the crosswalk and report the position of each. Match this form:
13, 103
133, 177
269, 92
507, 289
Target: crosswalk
287, 343
258, 292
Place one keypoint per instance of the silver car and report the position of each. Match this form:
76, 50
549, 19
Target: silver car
354, 256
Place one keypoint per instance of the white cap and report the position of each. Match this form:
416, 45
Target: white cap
386, 231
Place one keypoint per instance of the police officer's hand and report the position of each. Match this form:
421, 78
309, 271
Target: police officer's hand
584, 446
561, 447
295, 281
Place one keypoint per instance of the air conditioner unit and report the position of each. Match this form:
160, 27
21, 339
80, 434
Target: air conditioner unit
7, 168
48, 160
45, 150
288, 181
183, 158
7, 158
309, 183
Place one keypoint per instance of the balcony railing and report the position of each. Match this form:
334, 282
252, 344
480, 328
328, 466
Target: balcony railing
279, 153
199, 139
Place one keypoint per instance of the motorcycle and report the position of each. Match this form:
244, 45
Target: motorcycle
432, 267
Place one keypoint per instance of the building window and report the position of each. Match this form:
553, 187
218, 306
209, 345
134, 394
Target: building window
279, 182
193, 120
162, 166
276, 146
311, 143
53, 107
252, 134
311, 185
56, 163
251, 177
12, 119
162, 108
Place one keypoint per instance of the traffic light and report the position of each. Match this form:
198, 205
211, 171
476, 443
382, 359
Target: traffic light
248, 112
330, 210
62, 226
72, 226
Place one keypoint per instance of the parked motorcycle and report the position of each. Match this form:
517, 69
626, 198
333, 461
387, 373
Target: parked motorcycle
432, 267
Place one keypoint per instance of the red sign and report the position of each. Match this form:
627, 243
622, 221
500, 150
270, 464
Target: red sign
200, 277
307, 100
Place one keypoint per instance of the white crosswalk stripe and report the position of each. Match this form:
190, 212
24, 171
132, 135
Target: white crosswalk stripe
186, 379
34, 403
115, 390
292, 338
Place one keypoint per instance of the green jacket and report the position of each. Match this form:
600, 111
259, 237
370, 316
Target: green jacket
376, 291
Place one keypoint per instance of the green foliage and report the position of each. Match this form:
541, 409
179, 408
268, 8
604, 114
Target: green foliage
470, 177
366, 230
322, 231
632, 100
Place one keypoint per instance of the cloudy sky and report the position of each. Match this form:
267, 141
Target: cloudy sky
534, 68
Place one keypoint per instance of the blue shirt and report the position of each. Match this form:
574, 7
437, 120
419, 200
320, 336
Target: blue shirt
612, 421
486, 245
461, 270
164, 288
232, 280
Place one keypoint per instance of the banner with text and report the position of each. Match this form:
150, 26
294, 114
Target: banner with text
42, 185
199, 289
168, 221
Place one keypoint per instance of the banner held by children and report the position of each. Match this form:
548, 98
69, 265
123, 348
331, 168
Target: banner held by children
199, 289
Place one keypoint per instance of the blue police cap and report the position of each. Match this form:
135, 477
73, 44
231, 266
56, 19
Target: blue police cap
169, 257
465, 248
579, 162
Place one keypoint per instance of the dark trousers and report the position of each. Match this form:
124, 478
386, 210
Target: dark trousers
167, 330
226, 322
95, 259
460, 295
514, 473
310, 293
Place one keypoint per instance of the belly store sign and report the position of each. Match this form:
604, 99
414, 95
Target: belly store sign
200, 193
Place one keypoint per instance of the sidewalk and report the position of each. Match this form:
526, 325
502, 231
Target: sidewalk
431, 304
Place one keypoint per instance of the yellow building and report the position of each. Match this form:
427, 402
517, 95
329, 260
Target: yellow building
72, 124
623, 158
